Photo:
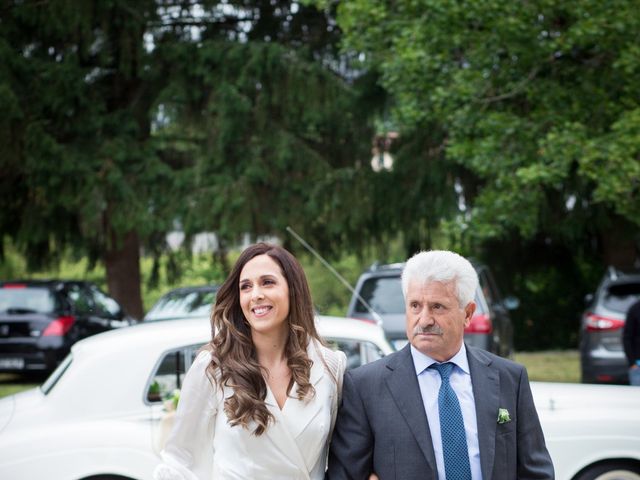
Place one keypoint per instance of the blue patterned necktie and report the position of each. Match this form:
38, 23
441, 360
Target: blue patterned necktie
454, 440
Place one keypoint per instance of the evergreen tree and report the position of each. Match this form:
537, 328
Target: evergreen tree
125, 118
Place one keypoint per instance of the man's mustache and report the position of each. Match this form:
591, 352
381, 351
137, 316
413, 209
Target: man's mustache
431, 329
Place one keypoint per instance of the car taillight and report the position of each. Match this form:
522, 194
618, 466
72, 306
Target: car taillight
598, 323
59, 326
14, 285
480, 323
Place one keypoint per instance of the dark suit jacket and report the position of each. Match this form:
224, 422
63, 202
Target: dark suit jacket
631, 334
382, 426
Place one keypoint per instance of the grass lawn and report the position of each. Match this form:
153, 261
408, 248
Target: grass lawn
548, 366
14, 383
551, 366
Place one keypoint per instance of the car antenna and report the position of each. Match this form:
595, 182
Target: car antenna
373, 313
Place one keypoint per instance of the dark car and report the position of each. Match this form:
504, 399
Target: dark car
185, 302
381, 288
40, 320
602, 358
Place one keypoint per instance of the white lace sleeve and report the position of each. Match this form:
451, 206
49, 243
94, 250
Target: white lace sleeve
188, 453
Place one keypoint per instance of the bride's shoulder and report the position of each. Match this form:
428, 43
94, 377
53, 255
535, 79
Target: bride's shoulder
336, 360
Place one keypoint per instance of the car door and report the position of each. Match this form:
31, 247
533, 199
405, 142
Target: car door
162, 388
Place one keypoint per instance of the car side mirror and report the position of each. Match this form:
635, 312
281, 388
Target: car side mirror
510, 302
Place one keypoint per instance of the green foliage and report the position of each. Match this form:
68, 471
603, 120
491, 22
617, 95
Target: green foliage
124, 122
537, 101
532, 109
331, 297
280, 133
194, 270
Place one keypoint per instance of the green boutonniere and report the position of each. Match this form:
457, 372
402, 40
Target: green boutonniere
503, 415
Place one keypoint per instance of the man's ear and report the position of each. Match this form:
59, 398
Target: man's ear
468, 312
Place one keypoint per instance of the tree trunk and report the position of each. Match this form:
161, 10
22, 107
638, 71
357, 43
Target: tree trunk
122, 262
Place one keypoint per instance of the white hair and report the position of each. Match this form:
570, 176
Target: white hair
442, 266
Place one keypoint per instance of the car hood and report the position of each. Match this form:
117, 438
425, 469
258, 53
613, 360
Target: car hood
12, 405
574, 400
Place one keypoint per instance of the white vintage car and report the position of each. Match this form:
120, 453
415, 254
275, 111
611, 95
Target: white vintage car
101, 414
592, 431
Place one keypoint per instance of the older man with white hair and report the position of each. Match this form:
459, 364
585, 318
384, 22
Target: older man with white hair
438, 409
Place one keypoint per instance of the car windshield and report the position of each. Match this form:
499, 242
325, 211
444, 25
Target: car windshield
621, 296
384, 294
23, 299
183, 303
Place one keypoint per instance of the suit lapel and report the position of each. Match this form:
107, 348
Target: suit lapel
283, 431
282, 438
301, 413
402, 382
486, 392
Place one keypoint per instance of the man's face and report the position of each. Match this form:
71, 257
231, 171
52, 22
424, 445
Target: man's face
435, 320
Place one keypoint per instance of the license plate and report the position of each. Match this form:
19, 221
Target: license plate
12, 363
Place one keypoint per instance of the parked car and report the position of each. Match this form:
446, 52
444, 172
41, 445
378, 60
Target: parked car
185, 302
592, 431
40, 320
114, 384
602, 356
381, 288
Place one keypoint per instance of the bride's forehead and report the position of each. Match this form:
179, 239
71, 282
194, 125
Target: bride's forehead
259, 266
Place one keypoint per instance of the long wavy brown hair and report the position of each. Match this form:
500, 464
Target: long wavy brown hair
234, 362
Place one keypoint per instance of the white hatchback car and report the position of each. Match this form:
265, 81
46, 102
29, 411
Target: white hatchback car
100, 416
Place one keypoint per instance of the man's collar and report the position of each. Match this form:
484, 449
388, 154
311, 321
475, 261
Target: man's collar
421, 361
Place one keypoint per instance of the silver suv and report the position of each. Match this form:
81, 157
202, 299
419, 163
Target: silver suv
602, 358
381, 288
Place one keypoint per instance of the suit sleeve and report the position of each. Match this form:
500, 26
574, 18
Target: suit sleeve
534, 461
351, 452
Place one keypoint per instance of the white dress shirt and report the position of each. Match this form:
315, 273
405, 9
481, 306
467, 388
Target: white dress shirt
460, 380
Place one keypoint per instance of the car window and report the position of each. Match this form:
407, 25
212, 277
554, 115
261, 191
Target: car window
22, 299
182, 304
169, 372
105, 306
80, 299
487, 287
482, 306
384, 294
358, 353
620, 297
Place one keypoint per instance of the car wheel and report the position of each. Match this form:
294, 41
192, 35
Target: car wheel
618, 470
